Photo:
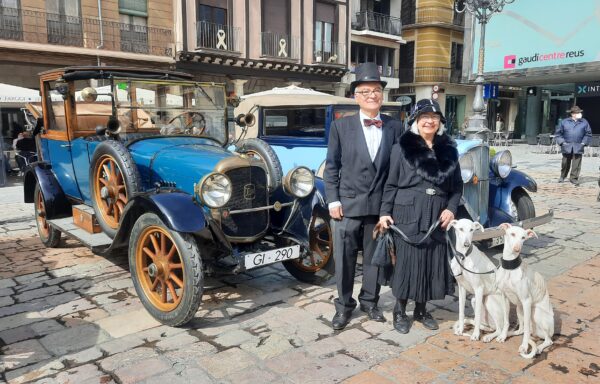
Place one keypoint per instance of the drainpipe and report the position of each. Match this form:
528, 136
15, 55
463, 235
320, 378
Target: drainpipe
101, 45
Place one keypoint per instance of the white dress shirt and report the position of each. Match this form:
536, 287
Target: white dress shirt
372, 137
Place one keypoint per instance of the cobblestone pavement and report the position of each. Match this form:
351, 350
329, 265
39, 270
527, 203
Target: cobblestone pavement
69, 316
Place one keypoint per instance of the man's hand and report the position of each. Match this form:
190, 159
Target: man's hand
386, 221
336, 213
446, 217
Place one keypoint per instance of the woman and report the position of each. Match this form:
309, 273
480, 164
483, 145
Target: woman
424, 185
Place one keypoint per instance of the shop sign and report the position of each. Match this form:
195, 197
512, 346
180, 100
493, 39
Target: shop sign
587, 89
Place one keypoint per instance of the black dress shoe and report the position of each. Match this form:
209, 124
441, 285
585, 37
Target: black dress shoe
374, 313
340, 320
401, 322
427, 320
574, 182
561, 179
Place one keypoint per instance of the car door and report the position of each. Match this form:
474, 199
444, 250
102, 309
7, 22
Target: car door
55, 137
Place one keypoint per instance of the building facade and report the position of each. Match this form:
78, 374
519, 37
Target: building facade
255, 45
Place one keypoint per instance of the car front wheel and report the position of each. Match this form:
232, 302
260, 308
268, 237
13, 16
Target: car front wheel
166, 269
317, 267
522, 207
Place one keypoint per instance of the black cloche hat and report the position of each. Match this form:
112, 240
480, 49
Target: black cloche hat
423, 106
367, 73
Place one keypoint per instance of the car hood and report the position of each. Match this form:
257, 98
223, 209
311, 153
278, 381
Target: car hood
180, 160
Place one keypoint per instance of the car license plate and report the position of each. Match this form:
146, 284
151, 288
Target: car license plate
497, 241
254, 260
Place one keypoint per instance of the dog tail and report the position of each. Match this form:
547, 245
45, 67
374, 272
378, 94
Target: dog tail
533, 352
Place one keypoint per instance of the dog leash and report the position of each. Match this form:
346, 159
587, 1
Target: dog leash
462, 257
422, 240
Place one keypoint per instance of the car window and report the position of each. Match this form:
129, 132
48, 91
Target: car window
296, 122
56, 107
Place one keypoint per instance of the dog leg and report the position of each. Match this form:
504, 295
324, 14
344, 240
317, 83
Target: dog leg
459, 325
478, 304
519, 330
505, 307
527, 326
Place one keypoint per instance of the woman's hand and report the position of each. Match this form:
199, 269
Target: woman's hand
445, 218
386, 221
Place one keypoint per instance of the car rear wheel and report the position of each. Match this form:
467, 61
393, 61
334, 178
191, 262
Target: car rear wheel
114, 179
166, 269
49, 235
522, 207
317, 267
261, 150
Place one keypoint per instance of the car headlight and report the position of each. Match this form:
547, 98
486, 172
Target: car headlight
502, 164
215, 190
467, 167
299, 182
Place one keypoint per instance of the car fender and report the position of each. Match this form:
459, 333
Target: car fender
56, 202
501, 189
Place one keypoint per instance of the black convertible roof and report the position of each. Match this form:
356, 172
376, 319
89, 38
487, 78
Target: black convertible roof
95, 72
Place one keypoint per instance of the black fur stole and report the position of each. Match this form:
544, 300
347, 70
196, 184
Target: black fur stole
434, 165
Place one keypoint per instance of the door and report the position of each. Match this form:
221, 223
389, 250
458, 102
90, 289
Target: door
55, 139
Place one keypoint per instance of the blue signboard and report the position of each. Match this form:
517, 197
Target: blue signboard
490, 91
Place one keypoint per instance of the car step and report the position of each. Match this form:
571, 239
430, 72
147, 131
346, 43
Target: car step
97, 242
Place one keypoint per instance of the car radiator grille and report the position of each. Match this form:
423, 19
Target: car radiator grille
477, 195
249, 191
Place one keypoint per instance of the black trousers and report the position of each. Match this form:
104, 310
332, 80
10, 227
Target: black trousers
348, 235
570, 161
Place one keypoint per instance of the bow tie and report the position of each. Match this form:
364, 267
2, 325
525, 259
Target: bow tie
375, 122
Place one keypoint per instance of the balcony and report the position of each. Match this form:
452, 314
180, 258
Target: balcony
48, 28
434, 15
377, 22
280, 46
327, 52
384, 70
430, 75
218, 37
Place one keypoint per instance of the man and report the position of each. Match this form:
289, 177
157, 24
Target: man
572, 135
355, 172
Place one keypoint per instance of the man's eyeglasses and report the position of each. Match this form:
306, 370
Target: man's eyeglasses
369, 92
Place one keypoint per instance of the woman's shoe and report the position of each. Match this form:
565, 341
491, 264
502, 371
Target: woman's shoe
402, 322
427, 320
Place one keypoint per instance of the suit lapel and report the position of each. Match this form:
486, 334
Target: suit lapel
362, 147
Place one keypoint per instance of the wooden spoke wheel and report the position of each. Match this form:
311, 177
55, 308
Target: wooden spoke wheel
114, 179
110, 191
317, 266
166, 269
48, 234
159, 268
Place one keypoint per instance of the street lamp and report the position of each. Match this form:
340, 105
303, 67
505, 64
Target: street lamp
482, 10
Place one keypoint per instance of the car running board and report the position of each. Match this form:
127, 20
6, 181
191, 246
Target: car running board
97, 242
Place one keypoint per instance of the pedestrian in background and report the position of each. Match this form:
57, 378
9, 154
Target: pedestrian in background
573, 134
424, 185
356, 168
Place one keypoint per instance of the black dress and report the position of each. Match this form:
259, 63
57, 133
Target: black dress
422, 182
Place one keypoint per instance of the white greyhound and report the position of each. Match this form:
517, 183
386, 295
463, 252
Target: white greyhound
525, 288
489, 303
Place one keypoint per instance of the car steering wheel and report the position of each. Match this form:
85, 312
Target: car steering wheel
190, 120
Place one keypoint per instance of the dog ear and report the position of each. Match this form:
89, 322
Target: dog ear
477, 225
452, 224
531, 234
504, 226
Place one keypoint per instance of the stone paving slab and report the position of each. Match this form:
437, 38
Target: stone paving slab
69, 316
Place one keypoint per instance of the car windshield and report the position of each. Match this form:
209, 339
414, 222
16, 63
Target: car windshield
158, 107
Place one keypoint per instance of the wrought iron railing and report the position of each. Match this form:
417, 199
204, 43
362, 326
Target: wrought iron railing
328, 52
280, 46
377, 22
384, 70
432, 74
217, 36
50, 28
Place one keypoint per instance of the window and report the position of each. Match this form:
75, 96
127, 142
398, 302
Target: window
133, 7
212, 30
324, 32
64, 22
276, 40
212, 11
10, 20
134, 34
407, 62
407, 12
304, 122
56, 111
384, 57
456, 57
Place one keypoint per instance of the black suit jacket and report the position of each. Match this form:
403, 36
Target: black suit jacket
350, 175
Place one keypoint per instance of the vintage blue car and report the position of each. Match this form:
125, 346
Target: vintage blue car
295, 124
136, 160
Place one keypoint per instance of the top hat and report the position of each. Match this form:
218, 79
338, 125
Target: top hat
575, 109
367, 73
423, 106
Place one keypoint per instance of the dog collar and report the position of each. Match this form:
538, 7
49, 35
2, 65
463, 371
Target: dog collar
511, 264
